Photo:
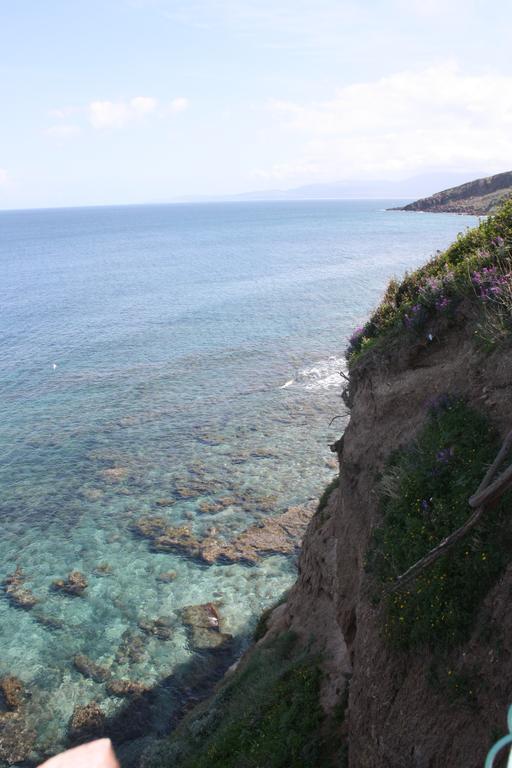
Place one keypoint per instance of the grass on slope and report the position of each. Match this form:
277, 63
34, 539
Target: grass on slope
478, 267
266, 716
425, 497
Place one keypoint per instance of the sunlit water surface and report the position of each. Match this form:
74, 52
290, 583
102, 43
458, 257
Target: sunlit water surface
173, 344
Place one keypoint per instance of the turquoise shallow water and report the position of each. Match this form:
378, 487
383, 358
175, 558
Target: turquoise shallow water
171, 344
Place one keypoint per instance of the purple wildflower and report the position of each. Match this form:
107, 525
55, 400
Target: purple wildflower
356, 335
444, 455
442, 303
489, 283
440, 403
354, 342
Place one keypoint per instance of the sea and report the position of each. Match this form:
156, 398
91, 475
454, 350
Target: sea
169, 355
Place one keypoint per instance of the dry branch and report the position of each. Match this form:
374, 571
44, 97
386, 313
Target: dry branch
486, 494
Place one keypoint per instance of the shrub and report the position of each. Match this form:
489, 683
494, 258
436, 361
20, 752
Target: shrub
268, 715
324, 498
476, 267
262, 625
425, 492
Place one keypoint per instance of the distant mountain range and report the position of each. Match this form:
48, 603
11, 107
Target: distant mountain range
479, 197
412, 188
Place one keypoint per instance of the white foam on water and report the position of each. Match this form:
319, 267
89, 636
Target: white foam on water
324, 374
287, 384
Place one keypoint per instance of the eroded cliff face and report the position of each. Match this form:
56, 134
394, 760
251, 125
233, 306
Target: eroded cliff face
397, 715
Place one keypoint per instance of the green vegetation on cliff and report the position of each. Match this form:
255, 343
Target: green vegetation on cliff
265, 715
425, 492
473, 276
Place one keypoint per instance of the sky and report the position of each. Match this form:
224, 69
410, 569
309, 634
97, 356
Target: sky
140, 101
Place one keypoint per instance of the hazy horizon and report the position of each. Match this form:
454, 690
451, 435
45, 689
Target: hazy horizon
151, 101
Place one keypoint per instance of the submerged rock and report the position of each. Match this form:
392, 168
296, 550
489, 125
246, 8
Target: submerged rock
209, 507
92, 494
88, 668
165, 502
132, 648
263, 453
103, 569
167, 576
278, 534
203, 624
15, 579
22, 598
74, 585
197, 486
49, 622
11, 693
87, 722
114, 474
18, 595
127, 688
210, 438
150, 526
17, 740
180, 540
162, 627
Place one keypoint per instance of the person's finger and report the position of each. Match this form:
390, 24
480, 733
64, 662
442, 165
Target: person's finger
96, 754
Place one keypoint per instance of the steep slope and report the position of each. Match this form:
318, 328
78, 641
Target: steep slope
349, 672
480, 197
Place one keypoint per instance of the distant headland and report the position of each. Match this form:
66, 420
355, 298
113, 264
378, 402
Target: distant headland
478, 198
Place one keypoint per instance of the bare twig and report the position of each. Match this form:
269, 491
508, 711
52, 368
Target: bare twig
494, 491
436, 553
486, 494
502, 453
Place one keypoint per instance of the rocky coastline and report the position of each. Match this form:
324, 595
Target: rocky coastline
475, 198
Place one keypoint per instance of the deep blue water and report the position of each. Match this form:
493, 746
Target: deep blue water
169, 343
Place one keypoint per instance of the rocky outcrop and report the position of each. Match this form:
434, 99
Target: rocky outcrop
87, 722
11, 693
279, 534
203, 624
478, 198
310, 610
127, 688
162, 627
131, 649
17, 738
89, 668
17, 594
74, 585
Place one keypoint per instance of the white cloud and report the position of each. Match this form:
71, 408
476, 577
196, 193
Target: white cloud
105, 114
63, 113
409, 121
4, 176
63, 130
180, 104
116, 114
142, 105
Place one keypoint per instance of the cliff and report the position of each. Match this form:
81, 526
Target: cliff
347, 671
479, 198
